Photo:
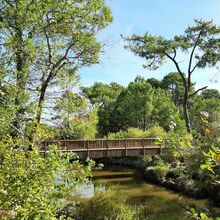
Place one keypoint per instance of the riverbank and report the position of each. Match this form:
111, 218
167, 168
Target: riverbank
169, 174
122, 191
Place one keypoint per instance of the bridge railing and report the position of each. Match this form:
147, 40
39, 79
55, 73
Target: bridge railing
106, 147
100, 143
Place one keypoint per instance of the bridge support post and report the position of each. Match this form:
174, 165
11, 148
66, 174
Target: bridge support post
107, 148
161, 151
126, 148
143, 147
87, 148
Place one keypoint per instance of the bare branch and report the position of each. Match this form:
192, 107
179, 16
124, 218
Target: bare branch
190, 60
193, 69
49, 48
205, 87
174, 50
177, 67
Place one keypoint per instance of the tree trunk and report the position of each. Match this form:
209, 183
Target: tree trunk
40, 104
20, 85
186, 111
42, 96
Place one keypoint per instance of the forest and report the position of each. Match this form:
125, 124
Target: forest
43, 47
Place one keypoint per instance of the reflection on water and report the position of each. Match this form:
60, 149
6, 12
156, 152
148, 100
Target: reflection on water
87, 190
158, 202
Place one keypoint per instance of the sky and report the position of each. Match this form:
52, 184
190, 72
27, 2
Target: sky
158, 17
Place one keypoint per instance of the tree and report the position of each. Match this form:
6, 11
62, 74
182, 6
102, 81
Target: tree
7, 110
210, 93
155, 83
200, 42
43, 41
172, 82
206, 114
83, 126
134, 105
164, 112
104, 96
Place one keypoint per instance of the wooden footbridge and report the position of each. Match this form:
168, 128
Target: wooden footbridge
104, 148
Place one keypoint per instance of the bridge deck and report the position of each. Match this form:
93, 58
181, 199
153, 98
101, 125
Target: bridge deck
101, 148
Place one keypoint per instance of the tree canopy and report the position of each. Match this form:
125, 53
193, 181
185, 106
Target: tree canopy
201, 43
43, 41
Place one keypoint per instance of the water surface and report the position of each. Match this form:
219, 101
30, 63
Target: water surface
158, 203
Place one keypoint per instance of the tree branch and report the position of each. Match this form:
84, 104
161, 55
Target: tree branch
49, 48
191, 58
177, 67
205, 87
194, 68
174, 53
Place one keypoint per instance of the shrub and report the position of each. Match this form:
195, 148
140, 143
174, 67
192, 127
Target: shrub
143, 160
174, 173
160, 171
157, 161
155, 131
29, 185
159, 167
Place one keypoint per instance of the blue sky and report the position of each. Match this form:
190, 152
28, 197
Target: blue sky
158, 17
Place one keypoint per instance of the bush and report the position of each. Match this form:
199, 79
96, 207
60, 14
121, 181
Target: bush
29, 185
174, 173
158, 167
160, 171
155, 131
143, 160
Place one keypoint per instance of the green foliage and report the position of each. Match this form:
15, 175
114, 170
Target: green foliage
33, 185
7, 109
172, 82
130, 133
200, 41
134, 105
206, 116
104, 96
139, 105
155, 49
164, 111
210, 94
154, 131
75, 118
43, 42
108, 205
155, 83
160, 171
81, 127
159, 167
197, 155
193, 214
145, 158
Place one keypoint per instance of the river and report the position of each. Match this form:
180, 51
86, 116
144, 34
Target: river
159, 203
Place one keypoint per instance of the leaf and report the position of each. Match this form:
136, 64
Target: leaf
203, 216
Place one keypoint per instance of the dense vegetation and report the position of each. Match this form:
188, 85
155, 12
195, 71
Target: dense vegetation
42, 45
